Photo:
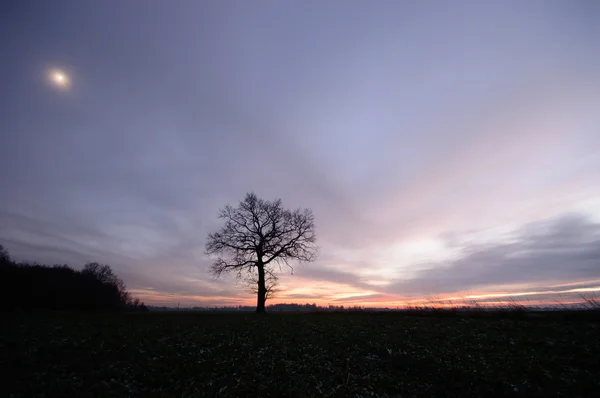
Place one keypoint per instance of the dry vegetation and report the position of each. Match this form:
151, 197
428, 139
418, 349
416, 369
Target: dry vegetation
350, 354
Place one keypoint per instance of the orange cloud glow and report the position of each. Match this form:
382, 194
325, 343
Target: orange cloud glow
324, 294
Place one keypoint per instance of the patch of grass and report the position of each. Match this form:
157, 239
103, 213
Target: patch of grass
297, 355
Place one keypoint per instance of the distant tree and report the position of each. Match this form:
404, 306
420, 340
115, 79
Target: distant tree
28, 286
137, 306
4, 256
103, 273
110, 284
257, 236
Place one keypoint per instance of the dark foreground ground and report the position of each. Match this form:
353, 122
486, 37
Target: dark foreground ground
354, 354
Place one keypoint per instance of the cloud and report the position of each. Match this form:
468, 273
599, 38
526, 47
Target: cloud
562, 249
360, 298
311, 273
394, 134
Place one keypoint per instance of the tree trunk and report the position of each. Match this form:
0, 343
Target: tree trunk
262, 290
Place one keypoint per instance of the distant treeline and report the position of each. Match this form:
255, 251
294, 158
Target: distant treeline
292, 307
25, 286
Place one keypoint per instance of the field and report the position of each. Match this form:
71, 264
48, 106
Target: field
299, 355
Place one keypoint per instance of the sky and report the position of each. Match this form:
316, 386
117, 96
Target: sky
447, 149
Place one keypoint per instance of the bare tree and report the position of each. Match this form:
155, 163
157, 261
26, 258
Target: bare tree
259, 235
590, 301
271, 283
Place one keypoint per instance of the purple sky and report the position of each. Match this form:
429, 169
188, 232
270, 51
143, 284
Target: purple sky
443, 147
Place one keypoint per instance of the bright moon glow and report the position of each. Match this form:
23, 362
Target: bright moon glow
59, 78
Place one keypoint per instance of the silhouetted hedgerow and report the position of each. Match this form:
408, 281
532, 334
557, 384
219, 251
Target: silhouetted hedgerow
25, 286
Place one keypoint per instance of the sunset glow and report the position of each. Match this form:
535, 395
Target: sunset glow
444, 159
374, 299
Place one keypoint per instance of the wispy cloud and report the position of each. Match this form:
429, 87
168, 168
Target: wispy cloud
541, 253
421, 137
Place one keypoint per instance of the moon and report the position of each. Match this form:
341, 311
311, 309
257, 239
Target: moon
59, 78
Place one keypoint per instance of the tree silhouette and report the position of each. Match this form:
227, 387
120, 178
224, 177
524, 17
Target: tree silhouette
271, 283
32, 286
259, 235
110, 284
4, 256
